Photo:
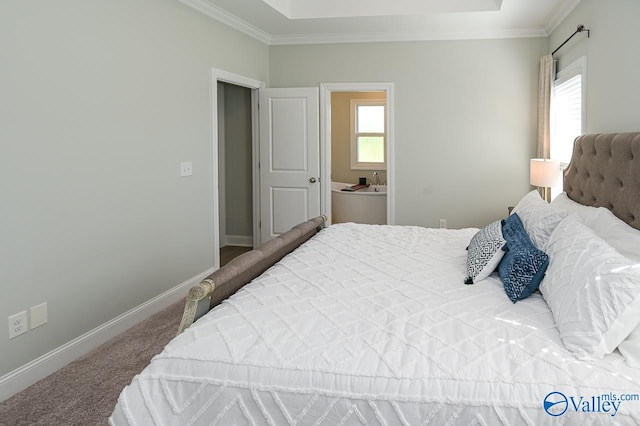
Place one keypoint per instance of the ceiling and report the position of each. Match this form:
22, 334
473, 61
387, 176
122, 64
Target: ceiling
343, 21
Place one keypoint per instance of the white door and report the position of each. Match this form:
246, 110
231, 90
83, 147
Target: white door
289, 159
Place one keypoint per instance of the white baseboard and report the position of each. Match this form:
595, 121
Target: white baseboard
41, 367
238, 240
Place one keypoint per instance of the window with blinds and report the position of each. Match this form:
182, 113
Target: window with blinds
567, 112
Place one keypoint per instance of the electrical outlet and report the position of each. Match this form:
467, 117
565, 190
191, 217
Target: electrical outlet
18, 324
443, 223
186, 168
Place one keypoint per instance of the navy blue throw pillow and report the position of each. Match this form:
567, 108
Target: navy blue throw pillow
523, 265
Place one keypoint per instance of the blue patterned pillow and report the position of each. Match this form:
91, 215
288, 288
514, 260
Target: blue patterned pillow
484, 252
523, 265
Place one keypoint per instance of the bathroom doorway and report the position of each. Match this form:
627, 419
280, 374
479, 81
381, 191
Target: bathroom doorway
357, 135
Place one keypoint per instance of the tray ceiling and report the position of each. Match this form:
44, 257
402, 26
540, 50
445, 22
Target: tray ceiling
341, 21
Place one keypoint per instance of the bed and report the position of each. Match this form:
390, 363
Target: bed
373, 324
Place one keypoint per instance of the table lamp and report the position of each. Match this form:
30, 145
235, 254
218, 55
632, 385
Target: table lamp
545, 174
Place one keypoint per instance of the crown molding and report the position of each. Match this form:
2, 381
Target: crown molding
228, 19
403, 36
232, 21
560, 15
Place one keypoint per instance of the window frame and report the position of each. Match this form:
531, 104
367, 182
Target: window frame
353, 107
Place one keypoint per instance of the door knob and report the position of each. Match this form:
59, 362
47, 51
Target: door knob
312, 180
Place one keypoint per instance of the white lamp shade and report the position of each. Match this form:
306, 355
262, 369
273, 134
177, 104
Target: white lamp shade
544, 173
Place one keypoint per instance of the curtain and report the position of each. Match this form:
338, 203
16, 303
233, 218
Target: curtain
544, 112
544, 104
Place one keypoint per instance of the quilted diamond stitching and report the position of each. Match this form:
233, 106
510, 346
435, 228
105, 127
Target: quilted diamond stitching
415, 295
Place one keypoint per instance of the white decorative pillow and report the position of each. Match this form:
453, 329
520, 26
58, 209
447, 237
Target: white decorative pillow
630, 348
538, 217
484, 252
592, 290
605, 224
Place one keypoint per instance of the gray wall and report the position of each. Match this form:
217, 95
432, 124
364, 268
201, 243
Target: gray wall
613, 61
100, 102
465, 118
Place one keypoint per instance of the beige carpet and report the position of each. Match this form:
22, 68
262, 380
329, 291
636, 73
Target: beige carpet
86, 391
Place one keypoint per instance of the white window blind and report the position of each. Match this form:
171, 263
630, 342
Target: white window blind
567, 114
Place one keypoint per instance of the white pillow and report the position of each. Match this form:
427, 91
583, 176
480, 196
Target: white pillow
588, 214
605, 224
618, 234
592, 290
538, 217
630, 348
626, 240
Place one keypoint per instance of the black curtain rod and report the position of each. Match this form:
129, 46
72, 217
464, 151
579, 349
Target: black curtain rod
580, 29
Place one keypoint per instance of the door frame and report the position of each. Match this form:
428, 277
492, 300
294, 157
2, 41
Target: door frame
325, 140
221, 76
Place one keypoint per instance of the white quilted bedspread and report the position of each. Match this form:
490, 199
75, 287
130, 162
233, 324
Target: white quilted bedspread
372, 325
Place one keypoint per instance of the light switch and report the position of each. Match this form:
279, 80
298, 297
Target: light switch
186, 168
39, 315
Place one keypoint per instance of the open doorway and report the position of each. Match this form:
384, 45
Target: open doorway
234, 99
356, 153
235, 174
358, 160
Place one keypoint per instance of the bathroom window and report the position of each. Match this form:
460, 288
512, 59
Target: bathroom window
368, 135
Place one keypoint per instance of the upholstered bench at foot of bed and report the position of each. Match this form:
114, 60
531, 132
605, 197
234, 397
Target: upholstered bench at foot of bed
230, 278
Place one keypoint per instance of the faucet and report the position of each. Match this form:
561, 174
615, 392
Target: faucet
377, 178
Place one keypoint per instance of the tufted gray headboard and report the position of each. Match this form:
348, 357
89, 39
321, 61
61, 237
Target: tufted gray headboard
605, 172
